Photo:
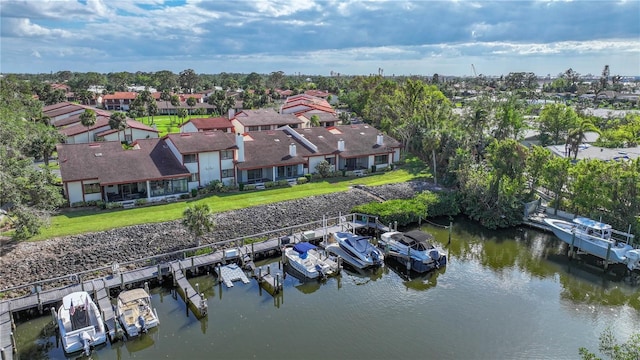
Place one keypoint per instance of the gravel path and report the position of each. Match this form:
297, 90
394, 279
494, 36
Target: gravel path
26, 262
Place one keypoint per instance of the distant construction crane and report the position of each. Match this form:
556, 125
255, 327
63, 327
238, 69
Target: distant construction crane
473, 67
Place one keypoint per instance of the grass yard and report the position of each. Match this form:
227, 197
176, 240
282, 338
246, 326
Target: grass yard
98, 220
168, 123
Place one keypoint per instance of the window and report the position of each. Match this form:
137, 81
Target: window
226, 154
254, 175
265, 127
195, 177
381, 159
168, 187
227, 173
253, 128
330, 160
287, 171
91, 188
190, 158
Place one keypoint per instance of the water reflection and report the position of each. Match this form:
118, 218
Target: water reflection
538, 255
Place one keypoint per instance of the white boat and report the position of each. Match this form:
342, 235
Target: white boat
355, 250
598, 239
135, 313
413, 250
80, 323
305, 258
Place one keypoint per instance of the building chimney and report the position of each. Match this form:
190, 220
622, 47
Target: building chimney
380, 140
232, 113
340, 145
292, 150
240, 145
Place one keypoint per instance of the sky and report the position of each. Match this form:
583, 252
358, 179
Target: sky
321, 37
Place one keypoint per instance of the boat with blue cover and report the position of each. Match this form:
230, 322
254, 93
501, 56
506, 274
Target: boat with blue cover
355, 250
598, 239
305, 258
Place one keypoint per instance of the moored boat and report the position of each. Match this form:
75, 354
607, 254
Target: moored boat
413, 249
355, 250
80, 323
305, 258
598, 239
135, 313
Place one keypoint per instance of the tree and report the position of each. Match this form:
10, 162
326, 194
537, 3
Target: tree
152, 110
323, 168
118, 121
536, 159
198, 220
44, 141
315, 120
609, 345
88, 119
555, 175
188, 80
578, 134
182, 114
554, 123
175, 102
602, 83
165, 96
165, 80
30, 194
191, 102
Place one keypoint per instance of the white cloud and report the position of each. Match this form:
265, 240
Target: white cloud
25, 28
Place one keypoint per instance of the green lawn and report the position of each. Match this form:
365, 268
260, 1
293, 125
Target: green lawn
168, 123
98, 220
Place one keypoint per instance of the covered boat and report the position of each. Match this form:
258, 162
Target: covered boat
598, 239
413, 249
135, 313
304, 258
355, 250
80, 323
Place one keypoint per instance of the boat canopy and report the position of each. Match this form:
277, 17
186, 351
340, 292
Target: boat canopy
132, 295
303, 247
591, 223
77, 298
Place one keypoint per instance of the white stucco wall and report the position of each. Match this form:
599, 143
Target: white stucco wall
209, 167
188, 128
396, 155
75, 192
238, 126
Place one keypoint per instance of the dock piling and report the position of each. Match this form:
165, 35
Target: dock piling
606, 260
54, 317
4, 357
198, 288
159, 273
121, 281
146, 286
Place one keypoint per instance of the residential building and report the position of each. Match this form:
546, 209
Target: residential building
120, 100
106, 171
207, 124
262, 120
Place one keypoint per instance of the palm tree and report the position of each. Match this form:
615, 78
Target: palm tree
118, 120
88, 119
578, 134
175, 102
165, 96
191, 102
315, 120
198, 220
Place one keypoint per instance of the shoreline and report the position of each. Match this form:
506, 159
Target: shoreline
27, 262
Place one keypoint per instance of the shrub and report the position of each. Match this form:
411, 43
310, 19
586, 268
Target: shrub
113, 205
185, 196
100, 204
141, 202
269, 184
323, 168
241, 187
249, 187
302, 180
194, 192
78, 204
282, 183
308, 176
215, 186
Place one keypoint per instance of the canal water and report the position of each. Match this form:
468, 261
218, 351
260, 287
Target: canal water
504, 295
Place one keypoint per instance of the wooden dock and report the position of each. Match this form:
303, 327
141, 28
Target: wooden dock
191, 296
7, 340
48, 293
273, 285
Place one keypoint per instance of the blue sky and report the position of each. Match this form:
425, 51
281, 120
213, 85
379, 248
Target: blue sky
320, 37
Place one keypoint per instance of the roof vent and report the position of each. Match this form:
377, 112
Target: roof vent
98, 154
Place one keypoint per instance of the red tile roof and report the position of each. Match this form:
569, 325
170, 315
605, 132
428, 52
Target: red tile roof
128, 95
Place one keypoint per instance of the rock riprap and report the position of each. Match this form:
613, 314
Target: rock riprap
27, 262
